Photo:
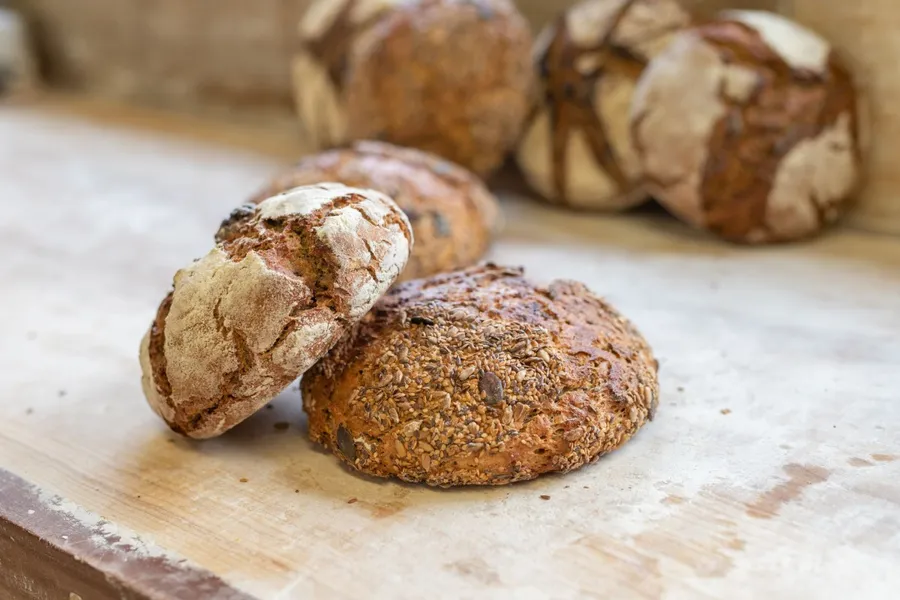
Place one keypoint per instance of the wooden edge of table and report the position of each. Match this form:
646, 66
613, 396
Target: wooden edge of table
50, 548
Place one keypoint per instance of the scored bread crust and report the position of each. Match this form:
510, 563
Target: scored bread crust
285, 282
749, 126
479, 377
453, 214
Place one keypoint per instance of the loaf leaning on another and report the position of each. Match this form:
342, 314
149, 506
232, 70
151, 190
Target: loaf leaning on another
285, 282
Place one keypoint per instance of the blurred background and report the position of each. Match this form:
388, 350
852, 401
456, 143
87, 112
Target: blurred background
214, 53
232, 57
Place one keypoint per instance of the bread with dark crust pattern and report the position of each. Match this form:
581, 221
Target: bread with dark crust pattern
284, 283
750, 127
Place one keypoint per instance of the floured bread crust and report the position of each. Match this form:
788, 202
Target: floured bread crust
451, 77
285, 281
577, 147
452, 213
749, 127
479, 377
329, 31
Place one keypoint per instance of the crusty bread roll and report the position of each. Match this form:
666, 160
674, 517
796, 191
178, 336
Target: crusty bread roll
286, 280
480, 377
453, 214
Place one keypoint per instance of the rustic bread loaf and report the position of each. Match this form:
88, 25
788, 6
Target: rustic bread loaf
479, 377
329, 33
452, 77
453, 215
577, 146
749, 127
287, 279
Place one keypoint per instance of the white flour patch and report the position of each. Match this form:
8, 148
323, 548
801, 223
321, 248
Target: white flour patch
799, 47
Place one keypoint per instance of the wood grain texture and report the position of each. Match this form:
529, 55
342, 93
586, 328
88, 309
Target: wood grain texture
770, 470
51, 548
865, 32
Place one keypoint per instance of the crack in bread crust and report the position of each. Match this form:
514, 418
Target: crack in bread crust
576, 149
788, 106
466, 215
246, 320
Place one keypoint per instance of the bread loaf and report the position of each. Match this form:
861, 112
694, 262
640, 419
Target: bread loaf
453, 215
286, 280
480, 377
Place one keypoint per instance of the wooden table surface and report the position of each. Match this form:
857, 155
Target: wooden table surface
771, 470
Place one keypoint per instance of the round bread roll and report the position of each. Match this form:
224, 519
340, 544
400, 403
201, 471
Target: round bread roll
286, 282
451, 77
329, 32
479, 377
453, 215
577, 147
749, 127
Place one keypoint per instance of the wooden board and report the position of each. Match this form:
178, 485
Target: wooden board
771, 470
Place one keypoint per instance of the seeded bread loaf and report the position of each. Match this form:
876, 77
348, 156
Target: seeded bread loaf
479, 377
453, 215
287, 279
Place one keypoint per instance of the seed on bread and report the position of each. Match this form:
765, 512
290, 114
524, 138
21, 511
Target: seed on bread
470, 400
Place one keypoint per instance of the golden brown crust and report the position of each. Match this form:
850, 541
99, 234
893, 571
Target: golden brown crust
781, 140
453, 215
479, 377
285, 282
447, 76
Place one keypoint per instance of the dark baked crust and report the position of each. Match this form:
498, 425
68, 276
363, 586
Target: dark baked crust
283, 285
453, 215
445, 76
788, 107
479, 377
791, 105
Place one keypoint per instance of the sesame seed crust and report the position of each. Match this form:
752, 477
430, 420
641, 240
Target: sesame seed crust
479, 377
